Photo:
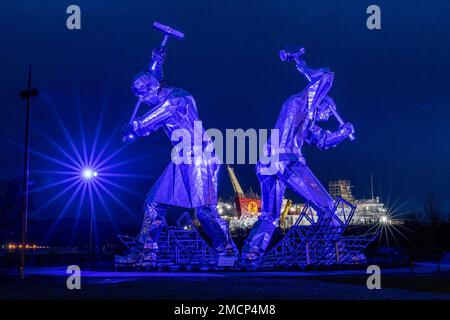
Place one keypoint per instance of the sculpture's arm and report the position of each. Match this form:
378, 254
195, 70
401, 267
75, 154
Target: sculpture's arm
320, 82
156, 65
154, 119
325, 139
312, 74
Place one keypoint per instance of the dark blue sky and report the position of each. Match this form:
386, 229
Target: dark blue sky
392, 84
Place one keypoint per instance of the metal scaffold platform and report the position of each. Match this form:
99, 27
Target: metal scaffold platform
180, 245
318, 241
311, 241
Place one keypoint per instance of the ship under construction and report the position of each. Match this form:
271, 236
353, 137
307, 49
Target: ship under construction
246, 207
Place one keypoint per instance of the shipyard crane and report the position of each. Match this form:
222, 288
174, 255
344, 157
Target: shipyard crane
246, 205
238, 192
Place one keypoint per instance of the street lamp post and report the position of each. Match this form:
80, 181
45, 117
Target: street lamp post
91, 227
26, 94
90, 174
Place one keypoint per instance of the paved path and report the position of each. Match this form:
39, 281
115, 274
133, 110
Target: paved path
419, 268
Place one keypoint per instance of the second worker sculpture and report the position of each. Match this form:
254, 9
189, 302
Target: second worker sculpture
296, 125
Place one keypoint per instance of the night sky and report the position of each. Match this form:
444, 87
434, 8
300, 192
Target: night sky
393, 84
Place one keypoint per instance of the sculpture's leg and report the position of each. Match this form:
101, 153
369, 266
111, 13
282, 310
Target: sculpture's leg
148, 236
306, 185
153, 221
272, 190
330, 228
152, 224
217, 230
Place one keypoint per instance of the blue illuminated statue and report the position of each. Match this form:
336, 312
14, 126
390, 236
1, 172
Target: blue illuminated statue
297, 125
188, 185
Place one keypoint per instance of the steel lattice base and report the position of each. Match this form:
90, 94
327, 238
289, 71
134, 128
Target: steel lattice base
310, 241
180, 245
313, 241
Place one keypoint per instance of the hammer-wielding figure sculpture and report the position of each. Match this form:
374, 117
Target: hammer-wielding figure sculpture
188, 185
296, 125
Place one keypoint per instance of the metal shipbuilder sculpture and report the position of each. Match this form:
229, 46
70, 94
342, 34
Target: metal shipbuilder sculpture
187, 185
296, 125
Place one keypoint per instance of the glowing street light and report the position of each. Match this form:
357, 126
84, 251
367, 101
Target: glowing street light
384, 219
88, 173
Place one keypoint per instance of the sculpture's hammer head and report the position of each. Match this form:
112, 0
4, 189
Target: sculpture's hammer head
168, 31
291, 53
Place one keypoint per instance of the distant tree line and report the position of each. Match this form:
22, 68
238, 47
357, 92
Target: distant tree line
429, 227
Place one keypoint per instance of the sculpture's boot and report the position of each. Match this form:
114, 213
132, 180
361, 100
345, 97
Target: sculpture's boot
258, 240
217, 230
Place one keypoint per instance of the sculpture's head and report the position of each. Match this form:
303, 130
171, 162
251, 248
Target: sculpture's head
146, 87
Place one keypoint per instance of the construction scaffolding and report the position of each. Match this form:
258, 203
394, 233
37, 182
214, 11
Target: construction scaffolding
341, 189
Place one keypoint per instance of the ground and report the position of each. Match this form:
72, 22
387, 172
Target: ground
50, 283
